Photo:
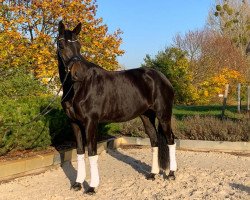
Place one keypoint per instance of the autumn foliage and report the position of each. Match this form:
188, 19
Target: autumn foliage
28, 31
214, 61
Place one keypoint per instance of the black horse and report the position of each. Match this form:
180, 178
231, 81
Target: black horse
93, 95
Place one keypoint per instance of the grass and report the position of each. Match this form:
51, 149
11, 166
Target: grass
181, 112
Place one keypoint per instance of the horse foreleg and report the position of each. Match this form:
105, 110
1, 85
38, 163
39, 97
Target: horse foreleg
91, 131
81, 171
149, 124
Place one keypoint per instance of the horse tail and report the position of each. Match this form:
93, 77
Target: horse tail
163, 150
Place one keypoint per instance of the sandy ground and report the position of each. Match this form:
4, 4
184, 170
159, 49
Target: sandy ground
200, 176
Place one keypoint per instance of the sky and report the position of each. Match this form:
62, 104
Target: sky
149, 25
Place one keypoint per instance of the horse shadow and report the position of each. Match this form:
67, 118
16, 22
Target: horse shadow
71, 173
139, 166
240, 187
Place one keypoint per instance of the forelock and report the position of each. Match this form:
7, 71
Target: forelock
68, 35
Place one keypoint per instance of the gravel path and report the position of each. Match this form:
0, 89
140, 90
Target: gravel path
200, 176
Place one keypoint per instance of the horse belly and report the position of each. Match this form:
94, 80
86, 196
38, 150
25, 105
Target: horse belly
124, 107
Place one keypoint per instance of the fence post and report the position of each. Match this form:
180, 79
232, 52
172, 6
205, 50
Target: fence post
248, 99
239, 100
224, 101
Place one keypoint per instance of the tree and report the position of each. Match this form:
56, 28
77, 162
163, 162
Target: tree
214, 85
173, 63
209, 52
191, 42
232, 19
37, 22
16, 53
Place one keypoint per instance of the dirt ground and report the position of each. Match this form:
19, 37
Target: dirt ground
200, 175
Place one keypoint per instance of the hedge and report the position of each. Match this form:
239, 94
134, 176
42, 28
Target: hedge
197, 128
16, 136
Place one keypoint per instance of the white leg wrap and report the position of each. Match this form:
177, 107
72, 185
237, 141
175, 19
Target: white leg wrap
94, 171
155, 166
173, 164
81, 171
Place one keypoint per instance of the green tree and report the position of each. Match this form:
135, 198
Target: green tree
173, 63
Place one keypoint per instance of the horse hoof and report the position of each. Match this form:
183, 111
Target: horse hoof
150, 176
171, 177
76, 186
90, 191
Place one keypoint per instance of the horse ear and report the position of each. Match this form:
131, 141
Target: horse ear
78, 28
61, 28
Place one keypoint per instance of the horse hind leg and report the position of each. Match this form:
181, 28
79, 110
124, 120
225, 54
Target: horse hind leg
148, 120
167, 147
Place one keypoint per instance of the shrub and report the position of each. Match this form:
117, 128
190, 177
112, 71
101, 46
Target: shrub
133, 128
212, 128
197, 128
22, 98
13, 135
18, 83
108, 130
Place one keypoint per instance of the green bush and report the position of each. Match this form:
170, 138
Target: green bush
18, 83
13, 135
22, 98
16, 131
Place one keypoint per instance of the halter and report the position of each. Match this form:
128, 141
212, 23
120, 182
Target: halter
67, 40
72, 60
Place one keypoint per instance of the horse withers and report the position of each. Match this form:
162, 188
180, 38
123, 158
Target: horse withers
93, 95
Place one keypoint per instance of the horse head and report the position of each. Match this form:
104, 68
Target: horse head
68, 46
